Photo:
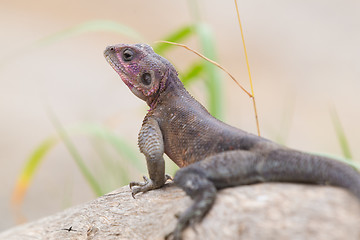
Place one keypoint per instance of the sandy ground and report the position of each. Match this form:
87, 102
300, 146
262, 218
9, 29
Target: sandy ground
304, 58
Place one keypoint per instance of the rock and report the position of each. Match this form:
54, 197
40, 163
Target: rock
262, 211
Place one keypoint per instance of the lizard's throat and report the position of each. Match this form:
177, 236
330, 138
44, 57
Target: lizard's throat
120, 70
153, 100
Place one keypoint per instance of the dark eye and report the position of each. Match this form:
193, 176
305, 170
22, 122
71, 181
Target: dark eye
146, 78
127, 55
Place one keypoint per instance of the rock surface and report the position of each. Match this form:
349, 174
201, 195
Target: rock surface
262, 211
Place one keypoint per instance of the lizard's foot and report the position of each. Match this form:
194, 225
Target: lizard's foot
147, 185
201, 190
186, 219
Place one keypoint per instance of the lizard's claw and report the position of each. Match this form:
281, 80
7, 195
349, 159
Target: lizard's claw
137, 187
146, 180
168, 177
173, 236
185, 219
147, 185
177, 233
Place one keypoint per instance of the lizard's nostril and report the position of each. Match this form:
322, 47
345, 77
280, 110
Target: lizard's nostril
110, 48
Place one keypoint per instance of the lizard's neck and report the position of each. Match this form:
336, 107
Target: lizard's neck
173, 88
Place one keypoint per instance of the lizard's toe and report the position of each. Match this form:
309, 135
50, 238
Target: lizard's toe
175, 235
140, 184
135, 191
137, 187
147, 185
168, 177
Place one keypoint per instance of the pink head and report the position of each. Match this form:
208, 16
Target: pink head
140, 68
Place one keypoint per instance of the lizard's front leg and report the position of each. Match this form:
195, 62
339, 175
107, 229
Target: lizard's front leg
152, 146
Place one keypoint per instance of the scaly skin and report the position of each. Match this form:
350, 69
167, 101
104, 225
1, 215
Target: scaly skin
211, 154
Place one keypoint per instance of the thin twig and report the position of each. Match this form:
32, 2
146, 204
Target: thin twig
248, 68
211, 61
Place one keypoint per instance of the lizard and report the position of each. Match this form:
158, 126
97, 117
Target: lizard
211, 154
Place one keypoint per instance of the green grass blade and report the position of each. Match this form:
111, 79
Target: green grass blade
179, 35
117, 142
91, 130
192, 73
89, 26
340, 133
213, 83
75, 155
214, 87
31, 165
110, 170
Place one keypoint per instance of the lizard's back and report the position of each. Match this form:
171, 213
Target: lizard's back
191, 133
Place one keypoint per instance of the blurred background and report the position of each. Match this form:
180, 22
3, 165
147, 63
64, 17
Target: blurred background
304, 58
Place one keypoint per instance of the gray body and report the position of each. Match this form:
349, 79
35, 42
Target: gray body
211, 154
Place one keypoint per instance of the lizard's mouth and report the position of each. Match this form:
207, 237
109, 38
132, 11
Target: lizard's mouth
112, 60
121, 70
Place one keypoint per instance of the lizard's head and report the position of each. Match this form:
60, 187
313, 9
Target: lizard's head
140, 68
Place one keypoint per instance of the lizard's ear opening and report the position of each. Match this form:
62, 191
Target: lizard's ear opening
146, 79
147, 82
146, 85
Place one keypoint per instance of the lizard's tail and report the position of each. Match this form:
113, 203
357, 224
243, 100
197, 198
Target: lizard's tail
285, 165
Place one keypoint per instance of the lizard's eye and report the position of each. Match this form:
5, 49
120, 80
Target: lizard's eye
127, 55
146, 79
